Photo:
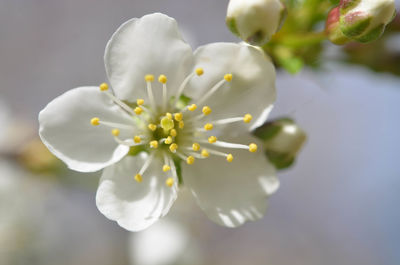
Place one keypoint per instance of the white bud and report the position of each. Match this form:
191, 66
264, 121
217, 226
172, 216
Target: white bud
255, 21
365, 20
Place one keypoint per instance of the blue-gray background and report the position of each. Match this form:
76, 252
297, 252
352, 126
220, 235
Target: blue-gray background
338, 205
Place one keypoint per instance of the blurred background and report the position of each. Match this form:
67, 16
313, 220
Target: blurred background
339, 203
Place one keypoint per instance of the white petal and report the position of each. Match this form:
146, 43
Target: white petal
149, 45
232, 193
66, 130
252, 88
135, 206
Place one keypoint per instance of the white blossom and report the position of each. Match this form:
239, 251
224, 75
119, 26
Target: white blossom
169, 112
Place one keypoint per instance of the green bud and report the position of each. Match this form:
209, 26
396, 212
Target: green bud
365, 20
255, 21
282, 141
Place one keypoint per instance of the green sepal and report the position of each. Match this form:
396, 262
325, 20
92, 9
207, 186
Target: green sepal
280, 161
135, 150
372, 35
355, 28
178, 167
231, 24
270, 129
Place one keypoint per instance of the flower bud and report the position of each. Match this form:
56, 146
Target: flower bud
365, 20
282, 140
255, 21
332, 27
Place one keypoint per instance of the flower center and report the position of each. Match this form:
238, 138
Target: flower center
172, 131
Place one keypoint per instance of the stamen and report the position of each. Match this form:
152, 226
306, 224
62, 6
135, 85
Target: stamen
212, 139
169, 182
173, 133
140, 101
152, 127
247, 118
166, 168
181, 124
205, 153
192, 107
103, 87
173, 147
168, 140
168, 115
251, 147
163, 79
227, 78
95, 121
115, 132
190, 160
121, 104
198, 71
137, 139
208, 127
149, 79
196, 147
127, 142
138, 178
178, 116
146, 164
206, 110
173, 171
154, 144
138, 110
229, 157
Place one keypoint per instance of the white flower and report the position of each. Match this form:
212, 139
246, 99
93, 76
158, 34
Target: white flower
142, 131
255, 21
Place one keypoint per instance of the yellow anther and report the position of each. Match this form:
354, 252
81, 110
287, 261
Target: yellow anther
103, 87
168, 115
152, 127
138, 110
154, 144
169, 182
247, 118
137, 139
196, 147
192, 107
205, 153
173, 147
208, 127
140, 101
181, 125
199, 71
168, 140
162, 79
228, 77
212, 139
229, 158
252, 147
178, 116
166, 168
190, 160
138, 178
149, 78
167, 123
206, 110
115, 132
173, 133
95, 121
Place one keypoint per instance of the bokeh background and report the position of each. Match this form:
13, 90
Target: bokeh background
339, 204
